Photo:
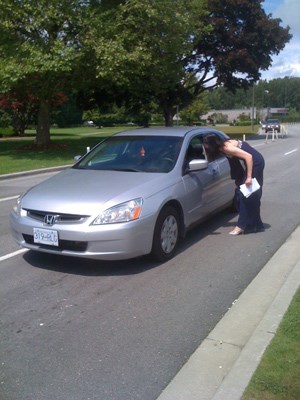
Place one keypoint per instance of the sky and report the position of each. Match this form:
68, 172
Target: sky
287, 62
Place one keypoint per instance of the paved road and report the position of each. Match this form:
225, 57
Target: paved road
76, 329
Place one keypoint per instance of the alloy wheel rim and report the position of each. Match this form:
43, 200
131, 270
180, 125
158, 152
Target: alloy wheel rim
169, 234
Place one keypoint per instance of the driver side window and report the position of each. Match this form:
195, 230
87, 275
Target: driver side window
195, 150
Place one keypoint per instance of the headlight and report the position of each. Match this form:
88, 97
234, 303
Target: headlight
124, 212
17, 207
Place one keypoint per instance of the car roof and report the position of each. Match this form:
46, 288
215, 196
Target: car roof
168, 131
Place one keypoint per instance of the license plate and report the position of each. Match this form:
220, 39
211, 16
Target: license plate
45, 236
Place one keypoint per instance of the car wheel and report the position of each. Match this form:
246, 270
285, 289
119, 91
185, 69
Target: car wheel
166, 234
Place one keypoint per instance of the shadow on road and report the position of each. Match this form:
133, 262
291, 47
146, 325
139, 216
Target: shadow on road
87, 267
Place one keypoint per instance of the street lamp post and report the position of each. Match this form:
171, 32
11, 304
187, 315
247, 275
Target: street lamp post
267, 92
252, 109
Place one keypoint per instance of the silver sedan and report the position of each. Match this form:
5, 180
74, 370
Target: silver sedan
135, 193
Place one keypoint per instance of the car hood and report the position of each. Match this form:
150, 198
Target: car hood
86, 192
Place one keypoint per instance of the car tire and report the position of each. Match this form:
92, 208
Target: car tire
166, 234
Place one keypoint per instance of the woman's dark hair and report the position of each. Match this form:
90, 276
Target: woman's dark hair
212, 144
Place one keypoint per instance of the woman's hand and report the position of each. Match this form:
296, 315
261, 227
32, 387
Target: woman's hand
248, 181
230, 150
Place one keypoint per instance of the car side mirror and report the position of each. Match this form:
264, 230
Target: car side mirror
197, 165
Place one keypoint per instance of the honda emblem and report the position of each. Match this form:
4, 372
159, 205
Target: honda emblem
49, 219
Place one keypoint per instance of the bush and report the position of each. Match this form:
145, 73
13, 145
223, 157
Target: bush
5, 120
7, 131
243, 123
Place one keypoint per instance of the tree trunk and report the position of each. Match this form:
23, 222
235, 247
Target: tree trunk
43, 126
168, 116
19, 124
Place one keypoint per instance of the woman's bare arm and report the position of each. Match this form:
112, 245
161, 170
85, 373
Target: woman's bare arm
231, 150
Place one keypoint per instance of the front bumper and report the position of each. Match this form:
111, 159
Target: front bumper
103, 242
271, 128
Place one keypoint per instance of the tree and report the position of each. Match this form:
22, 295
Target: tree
193, 112
41, 51
20, 107
141, 49
240, 45
67, 113
278, 93
141, 54
227, 43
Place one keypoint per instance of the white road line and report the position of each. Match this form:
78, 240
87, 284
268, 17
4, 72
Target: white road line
289, 152
9, 198
15, 253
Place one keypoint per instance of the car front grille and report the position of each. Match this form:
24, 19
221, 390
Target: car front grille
59, 218
70, 245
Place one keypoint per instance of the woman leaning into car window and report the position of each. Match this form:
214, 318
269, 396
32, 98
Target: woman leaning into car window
245, 163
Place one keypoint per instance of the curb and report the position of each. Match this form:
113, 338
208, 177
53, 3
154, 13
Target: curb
222, 366
33, 172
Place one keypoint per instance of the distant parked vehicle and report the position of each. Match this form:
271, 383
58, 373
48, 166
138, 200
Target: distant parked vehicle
272, 124
89, 123
263, 124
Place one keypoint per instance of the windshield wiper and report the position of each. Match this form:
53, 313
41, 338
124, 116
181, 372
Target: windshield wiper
126, 169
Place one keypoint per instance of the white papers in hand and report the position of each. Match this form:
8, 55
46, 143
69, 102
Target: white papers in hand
248, 190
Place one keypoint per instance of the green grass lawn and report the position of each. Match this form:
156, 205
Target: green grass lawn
19, 154
278, 374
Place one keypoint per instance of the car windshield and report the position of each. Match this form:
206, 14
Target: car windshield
133, 154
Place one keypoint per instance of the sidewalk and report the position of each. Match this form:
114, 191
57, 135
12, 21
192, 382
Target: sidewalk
222, 366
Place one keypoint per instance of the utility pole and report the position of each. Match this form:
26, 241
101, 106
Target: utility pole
252, 108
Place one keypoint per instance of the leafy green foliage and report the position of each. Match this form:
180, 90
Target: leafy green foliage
41, 50
169, 52
241, 43
148, 56
277, 93
143, 52
193, 112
